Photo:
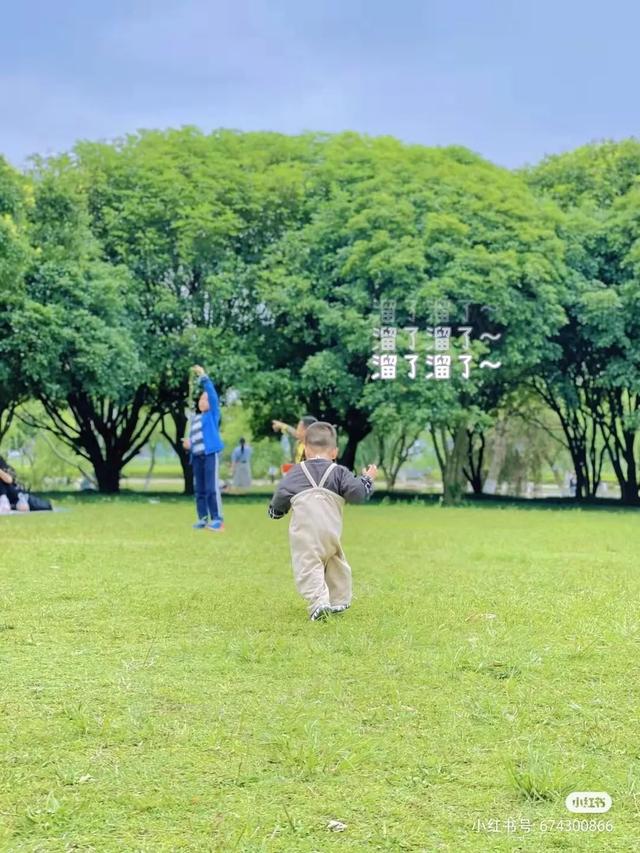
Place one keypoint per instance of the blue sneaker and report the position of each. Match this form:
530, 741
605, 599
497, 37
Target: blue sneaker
217, 525
200, 524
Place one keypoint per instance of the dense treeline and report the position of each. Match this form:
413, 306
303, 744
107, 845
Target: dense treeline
268, 258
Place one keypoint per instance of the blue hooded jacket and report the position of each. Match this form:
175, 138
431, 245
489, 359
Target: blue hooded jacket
211, 419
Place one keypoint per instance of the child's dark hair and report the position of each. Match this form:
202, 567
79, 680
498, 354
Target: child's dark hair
322, 435
307, 420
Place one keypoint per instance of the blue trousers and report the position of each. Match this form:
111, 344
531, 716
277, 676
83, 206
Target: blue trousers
206, 486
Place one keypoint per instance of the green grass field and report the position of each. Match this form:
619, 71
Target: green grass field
161, 689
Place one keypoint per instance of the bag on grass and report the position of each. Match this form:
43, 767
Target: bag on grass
37, 504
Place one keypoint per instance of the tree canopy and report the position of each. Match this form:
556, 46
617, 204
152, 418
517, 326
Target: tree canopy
268, 257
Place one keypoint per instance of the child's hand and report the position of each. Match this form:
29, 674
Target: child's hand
198, 370
186, 444
371, 471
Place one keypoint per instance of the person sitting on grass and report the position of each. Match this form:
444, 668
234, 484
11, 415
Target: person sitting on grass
15, 496
316, 490
8, 488
297, 432
205, 444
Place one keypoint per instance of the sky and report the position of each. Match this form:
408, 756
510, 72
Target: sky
513, 81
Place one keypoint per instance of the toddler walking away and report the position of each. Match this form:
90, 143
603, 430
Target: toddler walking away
205, 444
316, 490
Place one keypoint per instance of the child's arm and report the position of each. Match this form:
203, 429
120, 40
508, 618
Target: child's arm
209, 388
356, 490
281, 500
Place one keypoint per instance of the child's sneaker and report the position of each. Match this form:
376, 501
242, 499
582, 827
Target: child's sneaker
339, 608
200, 524
321, 612
217, 525
5, 506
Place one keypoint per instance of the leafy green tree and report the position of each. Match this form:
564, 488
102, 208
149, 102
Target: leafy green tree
80, 325
414, 226
187, 214
593, 381
400, 413
266, 258
14, 257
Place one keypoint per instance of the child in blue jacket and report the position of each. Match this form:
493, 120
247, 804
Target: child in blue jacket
205, 444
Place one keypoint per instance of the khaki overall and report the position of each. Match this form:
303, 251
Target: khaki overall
320, 569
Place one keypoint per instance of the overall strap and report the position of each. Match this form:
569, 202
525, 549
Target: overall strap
308, 475
326, 475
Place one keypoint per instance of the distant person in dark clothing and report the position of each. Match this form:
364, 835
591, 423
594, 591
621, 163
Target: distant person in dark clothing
15, 496
8, 484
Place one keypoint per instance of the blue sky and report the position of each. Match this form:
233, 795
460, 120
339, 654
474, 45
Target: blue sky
511, 80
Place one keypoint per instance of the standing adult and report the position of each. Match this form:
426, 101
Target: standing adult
241, 465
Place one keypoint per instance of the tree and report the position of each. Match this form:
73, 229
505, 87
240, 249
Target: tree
267, 258
410, 225
188, 214
398, 417
14, 256
523, 442
593, 384
80, 323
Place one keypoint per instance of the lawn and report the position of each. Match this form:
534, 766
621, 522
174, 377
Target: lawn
162, 690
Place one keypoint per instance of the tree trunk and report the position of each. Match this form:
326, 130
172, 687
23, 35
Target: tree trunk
180, 420
454, 478
393, 453
577, 429
107, 476
348, 458
475, 458
357, 428
629, 486
581, 484
498, 455
629, 493
187, 471
6, 418
107, 435
579, 422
